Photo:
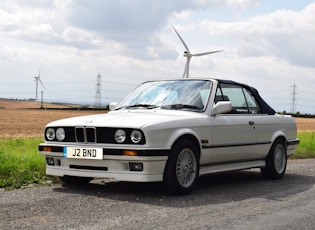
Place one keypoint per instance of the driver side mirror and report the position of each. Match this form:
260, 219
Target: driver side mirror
112, 106
222, 107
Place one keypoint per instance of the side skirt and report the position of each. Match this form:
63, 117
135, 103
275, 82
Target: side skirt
207, 169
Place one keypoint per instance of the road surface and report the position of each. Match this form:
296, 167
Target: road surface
235, 200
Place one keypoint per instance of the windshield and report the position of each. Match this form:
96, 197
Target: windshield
179, 94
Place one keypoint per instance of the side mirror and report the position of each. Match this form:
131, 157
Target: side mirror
222, 107
112, 106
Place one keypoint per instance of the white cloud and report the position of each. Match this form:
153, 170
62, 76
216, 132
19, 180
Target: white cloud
132, 41
286, 34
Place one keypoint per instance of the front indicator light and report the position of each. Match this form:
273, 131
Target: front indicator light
130, 153
47, 149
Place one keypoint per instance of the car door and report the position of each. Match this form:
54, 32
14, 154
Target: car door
233, 136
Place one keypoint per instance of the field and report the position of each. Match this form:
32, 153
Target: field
25, 123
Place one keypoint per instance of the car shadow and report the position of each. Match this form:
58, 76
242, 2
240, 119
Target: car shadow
211, 189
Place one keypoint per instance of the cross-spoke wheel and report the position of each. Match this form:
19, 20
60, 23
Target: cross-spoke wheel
182, 169
276, 161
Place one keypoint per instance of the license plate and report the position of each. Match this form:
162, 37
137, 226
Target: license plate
83, 153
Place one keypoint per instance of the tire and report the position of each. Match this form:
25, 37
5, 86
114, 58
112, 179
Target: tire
276, 161
182, 168
74, 180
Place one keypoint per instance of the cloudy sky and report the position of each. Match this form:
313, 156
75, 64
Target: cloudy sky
267, 44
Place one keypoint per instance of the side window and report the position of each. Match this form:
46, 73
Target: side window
241, 99
252, 104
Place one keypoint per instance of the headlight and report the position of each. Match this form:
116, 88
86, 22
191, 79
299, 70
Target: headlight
136, 136
50, 134
60, 134
120, 136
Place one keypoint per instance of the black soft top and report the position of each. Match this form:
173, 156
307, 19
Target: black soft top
266, 109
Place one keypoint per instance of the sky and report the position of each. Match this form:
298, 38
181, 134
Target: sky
269, 45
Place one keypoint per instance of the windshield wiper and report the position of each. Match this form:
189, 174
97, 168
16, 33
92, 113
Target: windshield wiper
181, 106
148, 106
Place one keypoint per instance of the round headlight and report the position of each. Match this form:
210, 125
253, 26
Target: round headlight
60, 134
50, 134
120, 136
136, 136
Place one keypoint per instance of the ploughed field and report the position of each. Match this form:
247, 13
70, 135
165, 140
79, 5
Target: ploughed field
24, 123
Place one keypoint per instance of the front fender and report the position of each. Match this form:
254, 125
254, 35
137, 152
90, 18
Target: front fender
165, 138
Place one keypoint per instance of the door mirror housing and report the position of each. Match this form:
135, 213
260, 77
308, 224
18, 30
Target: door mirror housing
112, 106
222, 107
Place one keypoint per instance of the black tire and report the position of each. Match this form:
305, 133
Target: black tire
74, 180
276, 161
182, 168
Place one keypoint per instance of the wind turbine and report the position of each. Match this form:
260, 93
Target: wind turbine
37, 79
189, 55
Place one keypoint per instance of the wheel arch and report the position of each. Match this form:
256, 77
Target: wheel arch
192, 138
279, 135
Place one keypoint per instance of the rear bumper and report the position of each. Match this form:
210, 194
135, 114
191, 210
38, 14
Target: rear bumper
291, 146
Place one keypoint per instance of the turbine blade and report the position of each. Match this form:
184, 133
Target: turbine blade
181, 40
206, 53
42, 83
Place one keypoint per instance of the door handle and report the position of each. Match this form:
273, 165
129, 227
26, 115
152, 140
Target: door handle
251, 123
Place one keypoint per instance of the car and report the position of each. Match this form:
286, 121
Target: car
172, 131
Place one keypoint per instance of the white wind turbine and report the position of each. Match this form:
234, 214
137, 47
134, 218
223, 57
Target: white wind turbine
37, 79
190, 55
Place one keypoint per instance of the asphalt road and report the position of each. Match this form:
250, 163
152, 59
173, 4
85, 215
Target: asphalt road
236, 200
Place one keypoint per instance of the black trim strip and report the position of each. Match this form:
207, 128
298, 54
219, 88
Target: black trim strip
233, 145
114, 152
295, 142
88, 167
230, 162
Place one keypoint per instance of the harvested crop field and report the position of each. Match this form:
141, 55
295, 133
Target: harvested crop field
24, 123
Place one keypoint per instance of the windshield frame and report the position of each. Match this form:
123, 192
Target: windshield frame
179, 94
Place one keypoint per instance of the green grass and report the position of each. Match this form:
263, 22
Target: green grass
20, 163
306, 148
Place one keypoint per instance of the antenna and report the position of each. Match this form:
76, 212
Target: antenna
189, 55
98, 92
37, 79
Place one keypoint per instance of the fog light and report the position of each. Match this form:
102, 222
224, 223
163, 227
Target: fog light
50, 161
136, 166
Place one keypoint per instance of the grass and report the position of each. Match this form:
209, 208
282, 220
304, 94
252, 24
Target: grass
306, 148
21, 164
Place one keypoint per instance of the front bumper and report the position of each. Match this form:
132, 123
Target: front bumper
146, 166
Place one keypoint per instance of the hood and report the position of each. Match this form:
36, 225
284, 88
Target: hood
127, 118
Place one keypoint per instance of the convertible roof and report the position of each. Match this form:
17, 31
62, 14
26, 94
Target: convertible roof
263, 105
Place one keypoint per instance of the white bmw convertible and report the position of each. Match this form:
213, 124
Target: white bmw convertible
172, 131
